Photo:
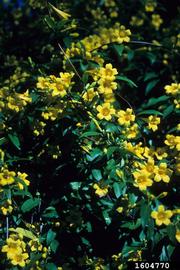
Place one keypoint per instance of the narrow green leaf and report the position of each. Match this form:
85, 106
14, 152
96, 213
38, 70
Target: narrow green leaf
150, 75
130, 82
89, 134
168, 111
154, 112
150, 86
155, 101
15, 140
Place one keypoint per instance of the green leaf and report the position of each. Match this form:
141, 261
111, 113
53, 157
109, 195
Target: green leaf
150, 75
164, 255
118, 48
155, 101
132, 225
130, 82
154, 112
15, 140
90, 134
150, 86
3, 140
50, 22
54, 245
51, 266
75, 185
168, 111
111, 150
30, 204
97, 174
106, 217
171, 231
117, 189
95, 153
50, 236
145, 212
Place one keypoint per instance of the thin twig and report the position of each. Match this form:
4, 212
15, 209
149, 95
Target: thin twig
67, 58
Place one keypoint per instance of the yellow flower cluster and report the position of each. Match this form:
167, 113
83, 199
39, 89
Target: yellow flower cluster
118, 33
149, 172
156, 21
12, 100
15, 249
10, 177
56, 86
172, 89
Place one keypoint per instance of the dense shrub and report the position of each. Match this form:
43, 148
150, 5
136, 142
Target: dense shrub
89, 133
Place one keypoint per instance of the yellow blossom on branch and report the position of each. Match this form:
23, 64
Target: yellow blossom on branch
172, 89
153, 122
125, 117
162, 216
142, 179
162, 173
105, 111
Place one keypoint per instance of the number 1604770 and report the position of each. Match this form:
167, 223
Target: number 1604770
152, 265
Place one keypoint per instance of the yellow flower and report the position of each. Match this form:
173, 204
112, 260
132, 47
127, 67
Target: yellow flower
150, 6
109, 98
100, 191
142, 179
178, 235
172, 89
42, 83
135, 21
125, 117
13, 246
172, 141
153, 122
162, 216
156, 21
162, 173
22, 176
106, 86
7, 177
160, 153
105, 111
119, 209
89, 95
108, 72
123, 34
148, 166
131, 132
7, 207
19, 259
135, 149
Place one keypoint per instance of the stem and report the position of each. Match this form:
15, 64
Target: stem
7, 227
